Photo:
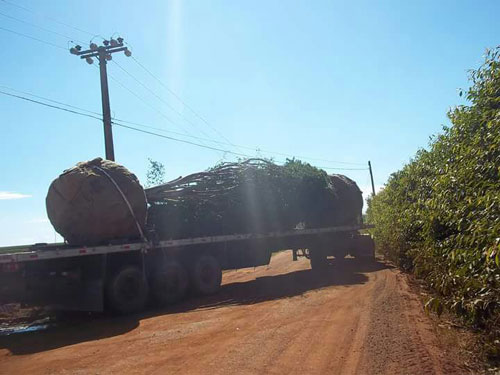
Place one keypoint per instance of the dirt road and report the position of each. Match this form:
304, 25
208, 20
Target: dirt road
277, 319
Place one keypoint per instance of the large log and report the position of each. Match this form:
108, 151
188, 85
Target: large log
86, 207
349, 199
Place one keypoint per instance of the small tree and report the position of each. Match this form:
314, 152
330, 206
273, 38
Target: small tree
155, 174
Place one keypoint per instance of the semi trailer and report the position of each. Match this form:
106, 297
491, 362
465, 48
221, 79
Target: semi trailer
126, 276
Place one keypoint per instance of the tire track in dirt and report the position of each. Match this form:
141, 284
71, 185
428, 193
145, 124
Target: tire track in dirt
277, 319
399, 338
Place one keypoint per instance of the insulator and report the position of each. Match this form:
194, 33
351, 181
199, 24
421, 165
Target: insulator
127, 53
108, 57
93, 46
120, 40
89, 60
113, 42
73, 51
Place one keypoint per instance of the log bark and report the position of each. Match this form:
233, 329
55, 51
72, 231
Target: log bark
86, 208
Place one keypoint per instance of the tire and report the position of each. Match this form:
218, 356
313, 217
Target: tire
340, 260
169, 283
206, 275
365, 248
127, 290
318, 259
340, 256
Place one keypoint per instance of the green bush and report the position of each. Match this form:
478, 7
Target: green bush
440, 215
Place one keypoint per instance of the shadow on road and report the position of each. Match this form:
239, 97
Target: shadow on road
291, 284
77, 328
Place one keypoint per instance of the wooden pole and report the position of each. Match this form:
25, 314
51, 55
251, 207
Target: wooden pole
371, 176
106, 111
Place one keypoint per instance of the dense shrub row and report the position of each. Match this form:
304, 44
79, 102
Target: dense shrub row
439, 216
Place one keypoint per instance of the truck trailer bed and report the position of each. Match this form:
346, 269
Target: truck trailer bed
60, 250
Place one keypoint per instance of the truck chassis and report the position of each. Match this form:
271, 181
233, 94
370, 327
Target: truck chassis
125, 277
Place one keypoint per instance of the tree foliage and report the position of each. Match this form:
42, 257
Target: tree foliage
155, 174
439, 216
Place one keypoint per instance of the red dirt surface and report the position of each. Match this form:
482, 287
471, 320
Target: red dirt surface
276, 319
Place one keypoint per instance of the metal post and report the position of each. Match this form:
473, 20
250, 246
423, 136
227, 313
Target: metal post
106, 111
371, 176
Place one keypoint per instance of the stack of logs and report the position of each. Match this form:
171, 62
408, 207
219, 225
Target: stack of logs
252, 196
100, 202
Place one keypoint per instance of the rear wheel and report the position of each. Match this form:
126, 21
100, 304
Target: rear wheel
169, 283
340, 259
340, 255
206, 275
127, 290
318, 259
365, 248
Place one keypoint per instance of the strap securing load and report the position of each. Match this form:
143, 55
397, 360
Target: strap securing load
124, 199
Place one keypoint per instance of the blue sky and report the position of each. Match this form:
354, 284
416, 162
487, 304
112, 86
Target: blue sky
335, 80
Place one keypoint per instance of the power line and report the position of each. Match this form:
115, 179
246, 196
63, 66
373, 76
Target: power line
99, 114
89, 33
173, 132
160, 98
50, 105
344, 169
305, 157
215, 148
161, 113
32, 37
229, 143
213, 128
180, 99
54, 45
117, 123
48, 17
168, 131
122, 123
39, 27
241, 146
136, 123
50, 100
186, 133
180, 140
152, 75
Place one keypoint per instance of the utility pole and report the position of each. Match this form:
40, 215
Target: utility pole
371, 176
103, 54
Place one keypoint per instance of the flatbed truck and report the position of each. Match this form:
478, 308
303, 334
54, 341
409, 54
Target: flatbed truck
126, 276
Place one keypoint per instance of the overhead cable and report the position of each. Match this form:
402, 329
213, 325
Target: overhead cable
122, 123
159, 98
48, 17
180, 99
32, 37
39, 27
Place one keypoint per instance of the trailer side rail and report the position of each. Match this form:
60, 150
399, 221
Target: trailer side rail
29, 253
67, 252
256, 236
